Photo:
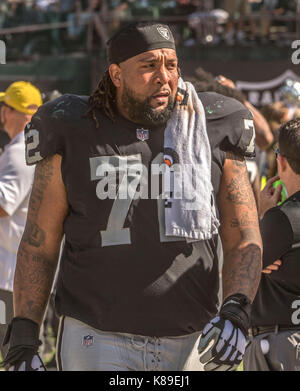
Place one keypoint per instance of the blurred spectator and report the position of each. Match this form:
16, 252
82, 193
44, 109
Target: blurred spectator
117, 11
182, 32
78, 19
43, 5
14, 14
66, 7
207, 22
19, 102
55, 36
287, 8
50, 95
3, 12
106, 17
143, 8
22, 13
284, 7
263, 135
205, 81
96, 27
260, 19
238, 10
260, 22
263, 13
276, 114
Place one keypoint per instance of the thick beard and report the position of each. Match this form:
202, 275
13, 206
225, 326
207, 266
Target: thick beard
142, 112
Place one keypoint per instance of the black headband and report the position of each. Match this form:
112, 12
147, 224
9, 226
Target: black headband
137, 39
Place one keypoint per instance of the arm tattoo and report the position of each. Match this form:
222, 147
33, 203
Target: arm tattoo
35, 266
33, 234
240, 231
239, 190
244, 221
32, 283
242, 272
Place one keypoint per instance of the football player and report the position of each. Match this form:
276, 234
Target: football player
130, 294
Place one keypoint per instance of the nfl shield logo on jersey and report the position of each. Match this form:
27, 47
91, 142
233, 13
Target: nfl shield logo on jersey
87, 340
142, 134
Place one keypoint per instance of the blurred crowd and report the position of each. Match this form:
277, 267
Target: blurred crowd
88, 23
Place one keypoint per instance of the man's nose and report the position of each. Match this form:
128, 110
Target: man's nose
162, 75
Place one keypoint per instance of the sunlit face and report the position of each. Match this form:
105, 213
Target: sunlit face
146, 86
14, 121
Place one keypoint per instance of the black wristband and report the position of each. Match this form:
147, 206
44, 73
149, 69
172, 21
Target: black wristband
22, 331
237, 309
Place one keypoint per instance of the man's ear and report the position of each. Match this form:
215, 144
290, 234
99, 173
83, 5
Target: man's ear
283, 162
115, 74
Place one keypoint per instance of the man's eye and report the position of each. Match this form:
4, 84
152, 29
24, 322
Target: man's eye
149, 65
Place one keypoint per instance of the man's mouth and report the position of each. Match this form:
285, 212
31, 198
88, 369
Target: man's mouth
161, 97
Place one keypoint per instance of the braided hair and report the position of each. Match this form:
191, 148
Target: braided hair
103, 98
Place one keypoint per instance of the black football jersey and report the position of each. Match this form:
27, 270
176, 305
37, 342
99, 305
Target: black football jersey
118, 270
277, 301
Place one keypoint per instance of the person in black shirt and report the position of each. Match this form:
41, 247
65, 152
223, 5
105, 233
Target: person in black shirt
138, 284
275, 317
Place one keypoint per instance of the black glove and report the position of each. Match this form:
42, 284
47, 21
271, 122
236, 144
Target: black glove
23, 335
227, 335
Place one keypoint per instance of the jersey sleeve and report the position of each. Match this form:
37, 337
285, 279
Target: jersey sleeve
52, 125
277, 235
231, 123
42, 135
239, 133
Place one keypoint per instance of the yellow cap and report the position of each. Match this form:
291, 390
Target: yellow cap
22, 96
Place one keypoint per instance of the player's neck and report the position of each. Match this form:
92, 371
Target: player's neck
293, 185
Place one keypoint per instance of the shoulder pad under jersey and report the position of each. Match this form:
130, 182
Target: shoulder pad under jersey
229, 123
291, 208
45, 134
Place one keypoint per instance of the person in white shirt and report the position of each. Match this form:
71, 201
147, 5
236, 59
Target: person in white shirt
18, 103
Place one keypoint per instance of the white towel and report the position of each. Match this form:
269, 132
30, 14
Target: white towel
192, 214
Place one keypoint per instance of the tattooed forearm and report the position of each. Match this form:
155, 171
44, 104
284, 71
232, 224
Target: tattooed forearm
32, 283
42, 177
245, 220
39, 247
239, 230
242, 271
34, 235
239, 190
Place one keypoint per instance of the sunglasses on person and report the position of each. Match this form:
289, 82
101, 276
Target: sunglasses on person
277, 152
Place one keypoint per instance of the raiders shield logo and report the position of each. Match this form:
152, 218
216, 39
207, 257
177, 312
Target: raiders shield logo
164, 32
